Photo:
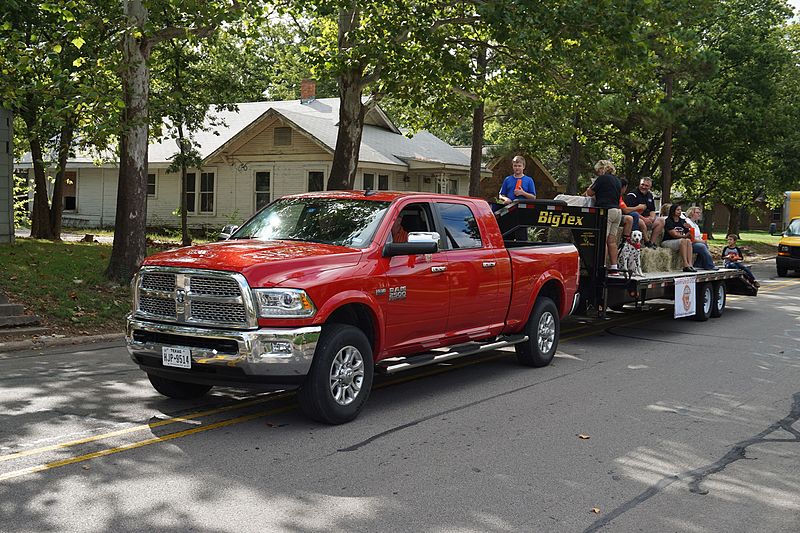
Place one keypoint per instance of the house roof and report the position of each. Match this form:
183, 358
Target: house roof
382, 142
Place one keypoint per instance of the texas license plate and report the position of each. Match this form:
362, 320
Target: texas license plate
176, 357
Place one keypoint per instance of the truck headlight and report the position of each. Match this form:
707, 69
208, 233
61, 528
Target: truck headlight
284, 303
783, 248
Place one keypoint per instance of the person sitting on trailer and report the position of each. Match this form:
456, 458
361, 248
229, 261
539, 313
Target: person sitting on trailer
733, 256
643, 196
676, 237
606, 190
630, 215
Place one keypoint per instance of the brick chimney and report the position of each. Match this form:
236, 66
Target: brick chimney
308, 91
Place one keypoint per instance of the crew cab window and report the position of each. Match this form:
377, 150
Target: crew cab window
414, 217
460, 226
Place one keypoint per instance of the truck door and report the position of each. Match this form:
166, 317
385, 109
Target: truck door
473, 268
417, 297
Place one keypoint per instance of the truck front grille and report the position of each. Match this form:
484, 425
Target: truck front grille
206, 311
158, 281
214, 286
195, 297
161, 307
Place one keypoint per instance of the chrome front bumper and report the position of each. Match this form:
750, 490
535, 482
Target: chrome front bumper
258, 353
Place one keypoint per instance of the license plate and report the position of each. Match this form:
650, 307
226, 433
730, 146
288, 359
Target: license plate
176, 357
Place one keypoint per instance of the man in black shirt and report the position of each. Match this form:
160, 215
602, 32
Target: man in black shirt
607, 190
643, 196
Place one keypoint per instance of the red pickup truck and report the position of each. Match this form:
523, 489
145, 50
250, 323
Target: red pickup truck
321, 290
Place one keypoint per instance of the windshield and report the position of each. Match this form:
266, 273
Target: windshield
326, 220
794, 228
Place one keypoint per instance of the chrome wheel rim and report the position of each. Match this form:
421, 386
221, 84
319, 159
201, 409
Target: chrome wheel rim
721, 297
546, 332
707, 299
346, 375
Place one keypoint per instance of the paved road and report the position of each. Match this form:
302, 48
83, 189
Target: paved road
692, 427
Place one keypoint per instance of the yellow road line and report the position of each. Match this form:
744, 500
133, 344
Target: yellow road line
141, 427
139, 444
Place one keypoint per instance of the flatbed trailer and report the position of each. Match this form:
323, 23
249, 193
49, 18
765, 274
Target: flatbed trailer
585, 226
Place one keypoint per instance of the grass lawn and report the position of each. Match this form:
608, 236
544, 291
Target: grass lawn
757, 242
63, 284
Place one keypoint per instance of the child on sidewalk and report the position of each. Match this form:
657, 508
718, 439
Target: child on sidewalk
733, 256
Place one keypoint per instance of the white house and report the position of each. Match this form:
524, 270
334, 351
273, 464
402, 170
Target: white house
261, 152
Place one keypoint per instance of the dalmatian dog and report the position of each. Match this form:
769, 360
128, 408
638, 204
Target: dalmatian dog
630, 256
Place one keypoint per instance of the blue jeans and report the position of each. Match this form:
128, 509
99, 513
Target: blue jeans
635, 215
704, 259
738, 265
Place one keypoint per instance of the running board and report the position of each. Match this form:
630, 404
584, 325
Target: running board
398, 364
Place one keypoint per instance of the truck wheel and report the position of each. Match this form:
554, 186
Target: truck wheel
340, 379
542, 330
704, 302
178, 389
783, 271
720, 298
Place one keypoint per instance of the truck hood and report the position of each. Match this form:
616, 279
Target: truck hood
263, 263
790, 241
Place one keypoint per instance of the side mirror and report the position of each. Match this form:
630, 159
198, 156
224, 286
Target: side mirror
391, 249
227, 231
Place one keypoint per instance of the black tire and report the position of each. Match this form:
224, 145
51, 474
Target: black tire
543, 328
316, 396
720, 299
704, 302
782, 271
178, 389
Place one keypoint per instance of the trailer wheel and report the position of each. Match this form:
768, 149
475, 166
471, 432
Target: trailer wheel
782, 271
704, 302
542, 329
340, 379
178, 389
720, 298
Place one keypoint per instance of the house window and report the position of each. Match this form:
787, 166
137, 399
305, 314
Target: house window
447, 186
206, 192
383, 182
262, 189
190, 192
369, 181
283, 136
151, 185
776, 215
70, 191
316, 181
204, 197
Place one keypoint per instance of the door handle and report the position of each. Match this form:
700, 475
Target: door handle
438, 269
489, 264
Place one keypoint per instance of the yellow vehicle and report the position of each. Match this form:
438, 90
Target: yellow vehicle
791, 207
789, 249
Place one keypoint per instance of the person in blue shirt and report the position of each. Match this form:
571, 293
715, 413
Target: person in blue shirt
518, 186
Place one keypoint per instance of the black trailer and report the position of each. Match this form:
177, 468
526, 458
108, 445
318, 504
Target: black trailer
585, 226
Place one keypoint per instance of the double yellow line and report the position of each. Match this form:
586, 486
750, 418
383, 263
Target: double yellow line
579, 332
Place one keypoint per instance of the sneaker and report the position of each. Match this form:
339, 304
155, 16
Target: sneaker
650, 245
689, 269
756, 284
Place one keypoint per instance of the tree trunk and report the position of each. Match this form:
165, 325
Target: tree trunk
129, 229
666, 161
186, 239
57, 208
574, 158
476, 155
708, 222
40, 217
351, 126
733, 219
478, 123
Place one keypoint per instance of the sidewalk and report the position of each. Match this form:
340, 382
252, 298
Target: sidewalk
52, 341
25, 233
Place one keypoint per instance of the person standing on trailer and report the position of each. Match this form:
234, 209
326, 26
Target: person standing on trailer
517, 186
606, 190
